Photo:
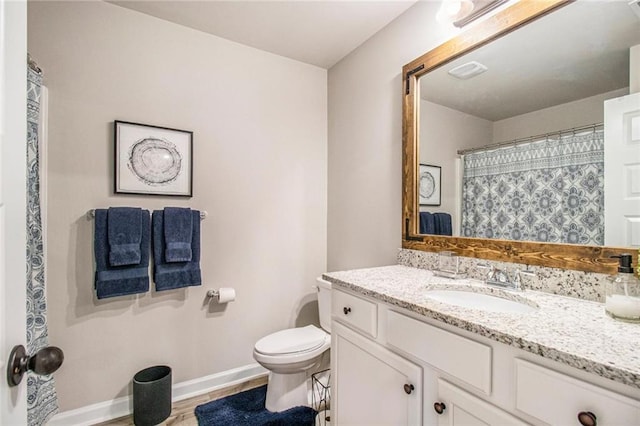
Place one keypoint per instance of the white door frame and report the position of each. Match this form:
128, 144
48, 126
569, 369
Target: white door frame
13, 140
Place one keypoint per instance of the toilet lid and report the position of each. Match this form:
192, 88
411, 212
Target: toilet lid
292, 340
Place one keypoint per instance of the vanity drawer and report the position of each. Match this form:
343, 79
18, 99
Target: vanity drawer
557, 399
464, 359
355, 311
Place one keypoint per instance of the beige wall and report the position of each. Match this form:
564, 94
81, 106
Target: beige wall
447, 131
260, 142
365, 140
582, 112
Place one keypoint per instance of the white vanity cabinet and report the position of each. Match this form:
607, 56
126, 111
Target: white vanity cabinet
558, 399
372, 385
454, 377
460, 408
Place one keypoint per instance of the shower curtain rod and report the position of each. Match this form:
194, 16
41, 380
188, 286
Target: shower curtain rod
515, 142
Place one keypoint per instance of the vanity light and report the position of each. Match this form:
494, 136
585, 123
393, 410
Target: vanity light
468, 70
462, 12
454, 10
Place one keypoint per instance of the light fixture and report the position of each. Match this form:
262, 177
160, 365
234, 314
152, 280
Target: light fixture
468, 70
454, 10
462, 12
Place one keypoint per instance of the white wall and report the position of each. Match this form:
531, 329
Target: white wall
260, 160
365, 139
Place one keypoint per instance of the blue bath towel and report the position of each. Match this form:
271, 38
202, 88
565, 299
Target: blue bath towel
124, 229
443, 223
177, 234
111, 281
172, 275
427, 223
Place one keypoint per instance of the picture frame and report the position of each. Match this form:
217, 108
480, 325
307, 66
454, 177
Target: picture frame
152, 160
430, 185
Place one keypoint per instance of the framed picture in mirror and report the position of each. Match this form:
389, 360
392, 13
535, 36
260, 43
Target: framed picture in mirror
430, 185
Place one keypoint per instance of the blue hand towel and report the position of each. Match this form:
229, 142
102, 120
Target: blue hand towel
111, 281
427, 223
178, 230
124, 228
443, 223
172, 275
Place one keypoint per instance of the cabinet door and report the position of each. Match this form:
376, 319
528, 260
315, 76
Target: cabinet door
557, 399
372, 386
460, 408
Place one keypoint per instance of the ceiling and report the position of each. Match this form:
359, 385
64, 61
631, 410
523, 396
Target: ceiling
312, 31
576, 52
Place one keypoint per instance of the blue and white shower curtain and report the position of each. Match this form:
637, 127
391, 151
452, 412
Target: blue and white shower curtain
550, 190
42, 401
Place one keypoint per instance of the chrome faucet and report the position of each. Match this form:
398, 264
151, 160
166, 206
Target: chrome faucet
499, 278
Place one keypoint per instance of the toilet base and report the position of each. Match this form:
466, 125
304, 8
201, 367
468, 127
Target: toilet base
286, 391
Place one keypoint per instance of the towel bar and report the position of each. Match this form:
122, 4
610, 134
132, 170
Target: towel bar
92, 213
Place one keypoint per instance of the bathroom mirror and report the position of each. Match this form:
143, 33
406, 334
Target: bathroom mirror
497, 107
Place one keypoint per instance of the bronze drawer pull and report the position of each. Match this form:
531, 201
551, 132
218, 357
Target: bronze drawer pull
587, 418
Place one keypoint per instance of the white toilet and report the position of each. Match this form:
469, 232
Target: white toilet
288, 354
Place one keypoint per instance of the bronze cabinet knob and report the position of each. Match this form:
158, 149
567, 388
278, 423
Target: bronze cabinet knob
408, 388
346, 310
439, 407
587, 418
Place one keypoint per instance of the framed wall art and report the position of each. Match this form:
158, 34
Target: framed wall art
153, 160
429, 188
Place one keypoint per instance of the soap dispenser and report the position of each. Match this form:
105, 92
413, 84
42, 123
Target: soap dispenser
622, 300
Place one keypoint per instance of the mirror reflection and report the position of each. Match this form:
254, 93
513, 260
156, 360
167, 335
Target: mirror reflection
527, 137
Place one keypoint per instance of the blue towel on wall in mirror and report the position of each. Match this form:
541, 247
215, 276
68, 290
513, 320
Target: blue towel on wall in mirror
172, 275
177, 234
124, 230
111, 281
443, 224
427, 223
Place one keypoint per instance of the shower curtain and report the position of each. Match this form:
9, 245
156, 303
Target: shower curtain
550, 191
42, 401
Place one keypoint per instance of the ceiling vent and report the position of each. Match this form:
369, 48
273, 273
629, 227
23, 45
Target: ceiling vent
468, 70
635, 6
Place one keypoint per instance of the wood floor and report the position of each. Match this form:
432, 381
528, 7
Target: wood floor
182, 411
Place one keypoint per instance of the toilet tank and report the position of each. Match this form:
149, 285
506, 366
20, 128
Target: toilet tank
324, 304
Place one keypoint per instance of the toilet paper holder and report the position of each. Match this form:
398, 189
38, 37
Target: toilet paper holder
222, 295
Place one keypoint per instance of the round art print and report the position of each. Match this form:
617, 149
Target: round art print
154, 161
427, 184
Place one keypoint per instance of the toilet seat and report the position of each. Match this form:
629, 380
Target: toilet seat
292, 341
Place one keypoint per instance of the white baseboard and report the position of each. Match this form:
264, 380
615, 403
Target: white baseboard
123, 406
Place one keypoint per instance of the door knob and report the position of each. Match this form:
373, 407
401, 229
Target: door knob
45, 361
587, 418
439, 407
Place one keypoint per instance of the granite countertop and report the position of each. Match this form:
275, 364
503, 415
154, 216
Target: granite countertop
564, 329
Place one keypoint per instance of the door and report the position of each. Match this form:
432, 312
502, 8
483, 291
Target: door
456, 407
371, 385
13, 137
622, 171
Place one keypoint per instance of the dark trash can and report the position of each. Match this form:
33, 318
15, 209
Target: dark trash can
152, 395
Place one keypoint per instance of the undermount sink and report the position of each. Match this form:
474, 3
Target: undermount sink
481, 301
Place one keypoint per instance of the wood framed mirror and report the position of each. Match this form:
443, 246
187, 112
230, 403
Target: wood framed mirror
590, 258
